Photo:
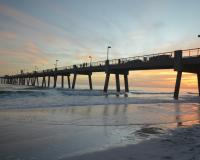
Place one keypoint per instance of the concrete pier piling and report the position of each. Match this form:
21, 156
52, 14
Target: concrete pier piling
106, 82
62, 81
55, 81
178, 66
69, 83
74, 81
117, 82
126, 82
177, 86
48, 81
90, 81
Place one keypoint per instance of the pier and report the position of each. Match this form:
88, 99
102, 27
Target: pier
180, 61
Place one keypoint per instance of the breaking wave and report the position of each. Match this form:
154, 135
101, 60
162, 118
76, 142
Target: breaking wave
39, 97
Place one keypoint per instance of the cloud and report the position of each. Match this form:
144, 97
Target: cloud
8, 35
29, 53
44, 31
25, 19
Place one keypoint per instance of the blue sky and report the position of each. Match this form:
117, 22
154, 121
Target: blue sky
37, 32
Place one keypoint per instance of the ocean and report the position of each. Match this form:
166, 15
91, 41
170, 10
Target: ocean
53, 123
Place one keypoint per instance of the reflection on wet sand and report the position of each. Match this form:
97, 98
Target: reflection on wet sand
108, 115
186, 119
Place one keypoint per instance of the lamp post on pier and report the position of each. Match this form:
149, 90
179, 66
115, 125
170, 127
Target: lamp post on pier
56, 64
108, 51
90, 57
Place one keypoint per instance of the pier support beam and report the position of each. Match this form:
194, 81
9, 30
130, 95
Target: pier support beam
126, 82
198, 81
49, 78
177, 86
62, 81
178, 66
55, 81
90, 80
74, 81
69, 84
117, 82
106, 82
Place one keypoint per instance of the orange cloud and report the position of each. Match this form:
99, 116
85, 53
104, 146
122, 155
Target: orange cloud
27, 55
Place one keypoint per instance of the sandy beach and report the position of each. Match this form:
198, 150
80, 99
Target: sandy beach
180, 144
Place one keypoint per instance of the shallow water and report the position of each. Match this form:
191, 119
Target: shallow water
55, 123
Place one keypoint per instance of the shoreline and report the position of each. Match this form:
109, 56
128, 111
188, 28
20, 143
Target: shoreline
179, 144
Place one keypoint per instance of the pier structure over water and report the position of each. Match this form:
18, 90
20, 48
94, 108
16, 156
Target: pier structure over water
179, 60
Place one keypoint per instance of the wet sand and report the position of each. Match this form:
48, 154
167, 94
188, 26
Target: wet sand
182, 144
65, 132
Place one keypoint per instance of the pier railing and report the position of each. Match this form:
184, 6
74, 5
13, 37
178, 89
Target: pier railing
191, 52
136, 59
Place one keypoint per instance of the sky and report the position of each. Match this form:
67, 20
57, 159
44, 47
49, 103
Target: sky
37, 32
